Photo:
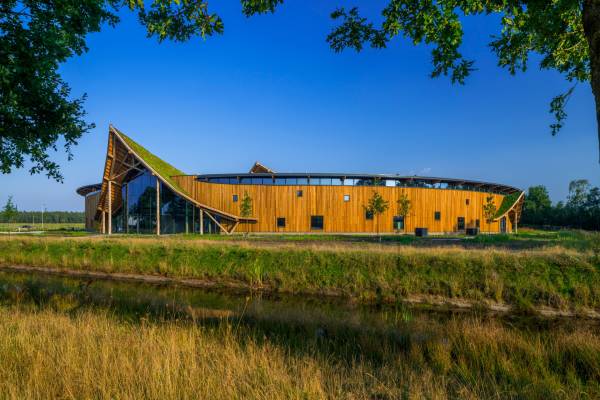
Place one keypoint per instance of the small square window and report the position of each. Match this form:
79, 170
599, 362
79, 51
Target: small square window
346, 197
316, 222
467, 202
368, 215
281, 222
235, 198
299, 193
437, 215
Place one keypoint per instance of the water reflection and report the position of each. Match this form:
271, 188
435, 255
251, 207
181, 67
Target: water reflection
135, 300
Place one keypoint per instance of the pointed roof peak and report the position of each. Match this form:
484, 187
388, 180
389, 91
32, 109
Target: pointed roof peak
259, 168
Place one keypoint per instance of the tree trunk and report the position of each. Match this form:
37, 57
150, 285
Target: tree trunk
591, 28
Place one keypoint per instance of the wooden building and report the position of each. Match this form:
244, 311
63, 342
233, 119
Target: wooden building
140, 193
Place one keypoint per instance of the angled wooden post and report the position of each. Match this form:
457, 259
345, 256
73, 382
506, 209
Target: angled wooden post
201, 221
110, 207
157, 206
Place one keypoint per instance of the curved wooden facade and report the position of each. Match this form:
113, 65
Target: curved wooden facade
288, 203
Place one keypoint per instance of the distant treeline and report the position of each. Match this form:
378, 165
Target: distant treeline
581, 210
30, 217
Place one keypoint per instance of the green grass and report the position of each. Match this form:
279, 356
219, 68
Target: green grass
64, 227
554, 277
507, 202
163, 168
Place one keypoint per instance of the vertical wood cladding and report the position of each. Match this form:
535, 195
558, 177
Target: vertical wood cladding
271, 202
91, 205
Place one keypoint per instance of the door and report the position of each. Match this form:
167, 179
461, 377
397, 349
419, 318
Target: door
398, 223
503, 225
460, 224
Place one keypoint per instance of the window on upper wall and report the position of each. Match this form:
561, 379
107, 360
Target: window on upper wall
368, 214
299, 193
235, 198
467, 202
281, 222
316, 222
346, 197
437, 215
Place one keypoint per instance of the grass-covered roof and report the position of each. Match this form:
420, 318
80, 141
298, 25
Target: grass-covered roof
161, 167
507, 203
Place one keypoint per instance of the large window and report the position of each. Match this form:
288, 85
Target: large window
316, 222
138, 211
177, 215
141, 204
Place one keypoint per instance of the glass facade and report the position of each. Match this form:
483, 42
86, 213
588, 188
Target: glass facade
137, 211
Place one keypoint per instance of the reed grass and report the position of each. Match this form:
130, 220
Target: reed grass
94, 354
552, 277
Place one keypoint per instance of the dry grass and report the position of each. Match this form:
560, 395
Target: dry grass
47, 354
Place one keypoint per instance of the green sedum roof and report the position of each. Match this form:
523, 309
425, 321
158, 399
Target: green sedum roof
507, 203
161, 167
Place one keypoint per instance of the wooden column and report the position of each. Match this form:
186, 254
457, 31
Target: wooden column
201, 221
516, 222
103, 222
157, 206
110, 207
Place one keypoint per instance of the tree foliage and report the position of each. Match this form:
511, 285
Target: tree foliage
37, 111
581, 210
404, 205
246, 206
30, 217
376, 206
9, 212
489, 209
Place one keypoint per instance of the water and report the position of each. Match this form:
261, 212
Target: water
313, 314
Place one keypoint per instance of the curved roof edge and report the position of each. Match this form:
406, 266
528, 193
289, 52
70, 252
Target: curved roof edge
510, 203
87, 189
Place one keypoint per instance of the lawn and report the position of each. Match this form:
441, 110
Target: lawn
53, 227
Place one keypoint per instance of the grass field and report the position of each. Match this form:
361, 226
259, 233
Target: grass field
23, 227
556, 277
49, 353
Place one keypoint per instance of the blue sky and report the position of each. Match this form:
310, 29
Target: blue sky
270, 89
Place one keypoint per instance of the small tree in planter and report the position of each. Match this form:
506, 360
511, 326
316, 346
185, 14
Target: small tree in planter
246, 209
404, 206
489, 209
376, 206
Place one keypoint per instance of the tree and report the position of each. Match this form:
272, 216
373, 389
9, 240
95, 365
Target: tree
246, 209
489, 209
376, 206
536, 206
9, 212
36, 112
36, 109
403, 206
565, 33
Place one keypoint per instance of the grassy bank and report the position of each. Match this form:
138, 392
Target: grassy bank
94, 354
553, 277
